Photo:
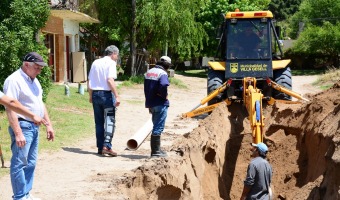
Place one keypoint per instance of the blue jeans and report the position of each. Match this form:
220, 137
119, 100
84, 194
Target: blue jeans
159, 114
24, 159
100, 101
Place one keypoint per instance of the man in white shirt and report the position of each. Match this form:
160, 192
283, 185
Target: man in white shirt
25, 87
17, 107
104, 98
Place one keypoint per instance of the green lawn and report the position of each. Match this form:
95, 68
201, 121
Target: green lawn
72, 119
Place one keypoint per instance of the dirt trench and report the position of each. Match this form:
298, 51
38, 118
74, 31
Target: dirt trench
211, 161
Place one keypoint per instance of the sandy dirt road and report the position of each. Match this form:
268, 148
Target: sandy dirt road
69, 173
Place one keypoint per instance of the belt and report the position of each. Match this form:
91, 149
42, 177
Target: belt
23, 120
105, 91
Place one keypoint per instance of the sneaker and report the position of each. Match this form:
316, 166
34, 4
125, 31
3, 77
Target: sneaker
30, 197
109, 152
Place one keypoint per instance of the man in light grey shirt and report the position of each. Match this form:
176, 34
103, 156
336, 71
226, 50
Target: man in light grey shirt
259, 175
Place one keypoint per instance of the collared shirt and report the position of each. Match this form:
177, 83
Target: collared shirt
101, 70
259, 177
27, 91
1, 94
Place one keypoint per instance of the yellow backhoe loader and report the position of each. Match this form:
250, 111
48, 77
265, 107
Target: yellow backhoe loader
249, 68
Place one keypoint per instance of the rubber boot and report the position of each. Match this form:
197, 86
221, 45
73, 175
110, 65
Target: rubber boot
156, 151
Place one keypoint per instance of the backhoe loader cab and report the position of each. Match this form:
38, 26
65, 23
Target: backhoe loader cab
246, 49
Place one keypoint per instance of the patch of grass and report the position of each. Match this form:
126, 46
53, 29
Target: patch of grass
123, 77
178, 83
325, 87
135, 102
133, 80
72, 117
72, 120
125, 84
200, 73
4, 142
327, 79
140, 80
308, 72
137, 79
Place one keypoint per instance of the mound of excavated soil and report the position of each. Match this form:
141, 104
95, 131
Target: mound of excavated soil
211, 161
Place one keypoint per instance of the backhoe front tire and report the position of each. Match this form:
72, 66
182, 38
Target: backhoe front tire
283, 77
215, 80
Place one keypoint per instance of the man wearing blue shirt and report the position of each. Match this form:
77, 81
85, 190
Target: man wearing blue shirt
156, 84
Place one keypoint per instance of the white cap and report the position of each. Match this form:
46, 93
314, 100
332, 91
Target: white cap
166, 59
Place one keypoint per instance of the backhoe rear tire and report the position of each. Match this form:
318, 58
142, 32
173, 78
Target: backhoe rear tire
215, 80
283, 77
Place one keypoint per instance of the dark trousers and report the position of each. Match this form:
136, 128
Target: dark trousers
100, 101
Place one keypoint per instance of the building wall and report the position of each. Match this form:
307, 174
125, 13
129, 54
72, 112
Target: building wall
60, 59
64, 26
55, 26
71, 28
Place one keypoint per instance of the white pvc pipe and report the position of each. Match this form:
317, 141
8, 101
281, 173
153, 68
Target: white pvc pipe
138, 138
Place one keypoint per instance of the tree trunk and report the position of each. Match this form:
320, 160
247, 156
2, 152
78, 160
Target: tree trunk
132, 62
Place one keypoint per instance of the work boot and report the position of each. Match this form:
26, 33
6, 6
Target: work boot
156, 151
109, 152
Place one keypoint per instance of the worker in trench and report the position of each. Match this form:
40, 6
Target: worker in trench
259, 175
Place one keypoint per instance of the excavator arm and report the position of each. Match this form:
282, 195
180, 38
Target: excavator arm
198, 111
252, 98
284, 90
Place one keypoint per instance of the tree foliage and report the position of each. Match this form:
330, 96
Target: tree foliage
314, 12
323, 41
318, 27
164, 25
172, 24
115, 19
283, 9
21, 20
212, 16
182, 28
114, 27
158, 24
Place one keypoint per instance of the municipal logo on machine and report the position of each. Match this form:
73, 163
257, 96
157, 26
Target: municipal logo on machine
233, 67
